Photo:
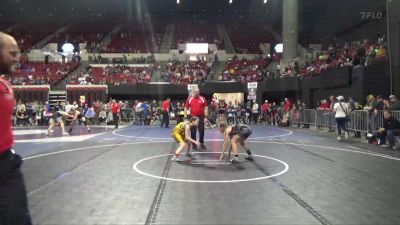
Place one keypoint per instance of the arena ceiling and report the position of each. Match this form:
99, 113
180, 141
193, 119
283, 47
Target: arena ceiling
315, 16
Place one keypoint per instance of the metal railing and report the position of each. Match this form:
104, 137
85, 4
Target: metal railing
359, 120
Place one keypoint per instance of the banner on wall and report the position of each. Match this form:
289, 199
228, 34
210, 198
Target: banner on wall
252, 88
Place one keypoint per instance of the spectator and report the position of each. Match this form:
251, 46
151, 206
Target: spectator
341, 109
254, 111
90, 115
166, 105
22, 118
370, 107
394, 104
390, 129
266, 112
115, 109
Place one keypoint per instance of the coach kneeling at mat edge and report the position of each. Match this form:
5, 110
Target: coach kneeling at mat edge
390, 129
198, 107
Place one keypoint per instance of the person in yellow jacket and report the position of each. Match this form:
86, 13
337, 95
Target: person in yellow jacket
181, 134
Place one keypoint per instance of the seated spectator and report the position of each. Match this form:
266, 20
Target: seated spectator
102, 116
90, 115
393, 104
22, 118
390, 129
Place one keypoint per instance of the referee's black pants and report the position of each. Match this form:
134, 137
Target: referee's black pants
116, 119
200, 128
165, 118
13, 199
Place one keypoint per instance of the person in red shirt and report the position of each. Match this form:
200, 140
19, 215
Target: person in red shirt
198, 106
326, 106
13, 200
288, 105
165, 112
115, 109
266, 112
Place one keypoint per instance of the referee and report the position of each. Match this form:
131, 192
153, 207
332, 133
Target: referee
198, 107
13, 200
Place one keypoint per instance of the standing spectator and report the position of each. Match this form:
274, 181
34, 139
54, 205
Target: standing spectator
266, 112
96, 109
13, 199
288, 105
139, 111
198, 107
165, 112
115, 109
146, 112
274, 113
370, 107
254, 111
331, 119
341, 108
390, 129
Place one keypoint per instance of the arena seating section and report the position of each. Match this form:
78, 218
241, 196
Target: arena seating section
195, 33
247, 38
84, 32
28, 34
138, 38
244, 70
185, 73
51, 73
115, 75
353, 54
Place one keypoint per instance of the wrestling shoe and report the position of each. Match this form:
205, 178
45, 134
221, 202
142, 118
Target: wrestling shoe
190, 154
235, 160
176, 159
249, 157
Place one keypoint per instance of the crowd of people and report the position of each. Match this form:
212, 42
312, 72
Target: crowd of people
115, 75
177, 72
350, 54
244, 70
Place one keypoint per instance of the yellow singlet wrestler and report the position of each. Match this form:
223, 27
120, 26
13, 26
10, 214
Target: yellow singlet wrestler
181, 134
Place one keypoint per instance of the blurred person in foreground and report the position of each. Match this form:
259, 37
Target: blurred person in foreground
13, 199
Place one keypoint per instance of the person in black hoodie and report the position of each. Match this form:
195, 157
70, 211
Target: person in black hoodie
390, 129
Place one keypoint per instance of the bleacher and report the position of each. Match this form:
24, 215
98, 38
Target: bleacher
38, 73
246, 39
84, 32
114, 75
137, 38
195, 33
244, 70
28, 34
185, 73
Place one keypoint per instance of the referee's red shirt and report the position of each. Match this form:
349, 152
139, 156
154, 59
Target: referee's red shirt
196, 105
7, 104
165, 105
115, 107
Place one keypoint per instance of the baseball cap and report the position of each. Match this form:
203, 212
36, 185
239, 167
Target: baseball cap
340, 98
379, 96
392, 96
